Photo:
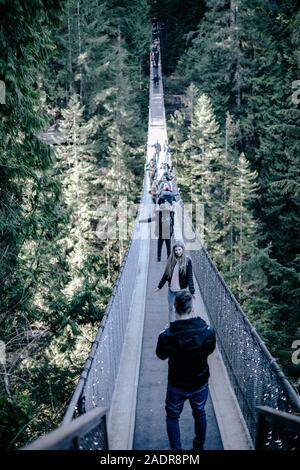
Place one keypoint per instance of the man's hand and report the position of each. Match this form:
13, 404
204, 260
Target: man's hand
157, 289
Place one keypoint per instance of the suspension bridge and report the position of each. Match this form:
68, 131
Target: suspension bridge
119, 400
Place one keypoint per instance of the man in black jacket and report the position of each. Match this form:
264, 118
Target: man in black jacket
164, 227
187, 343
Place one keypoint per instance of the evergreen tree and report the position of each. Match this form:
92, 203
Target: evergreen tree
190, 100
216, 63
177, 132
206, 166
240, 227
57, 273
29, 202
79, 176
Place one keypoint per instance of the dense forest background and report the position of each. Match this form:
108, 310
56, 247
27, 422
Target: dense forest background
76, 67
80, 69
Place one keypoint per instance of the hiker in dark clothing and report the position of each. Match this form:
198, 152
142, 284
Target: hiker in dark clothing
166, 194
155, 33
186, 343
164, 227
154, 54
155, 80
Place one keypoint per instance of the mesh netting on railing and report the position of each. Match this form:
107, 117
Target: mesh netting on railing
100, 381
96, 439
254, 373
256, 378
97, 381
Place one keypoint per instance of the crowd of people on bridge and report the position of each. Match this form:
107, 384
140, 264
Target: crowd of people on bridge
163, 195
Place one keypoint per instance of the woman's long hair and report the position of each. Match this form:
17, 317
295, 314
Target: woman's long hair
172, 260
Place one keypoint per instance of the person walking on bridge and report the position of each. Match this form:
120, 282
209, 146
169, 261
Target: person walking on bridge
186, 343
157, 148
179, 274
155, 78
151, 167
163, 217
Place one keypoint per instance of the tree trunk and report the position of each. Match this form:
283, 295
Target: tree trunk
77, 213
241, 244
237, 51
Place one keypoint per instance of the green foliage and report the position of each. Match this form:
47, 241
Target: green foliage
16, 412
77, 66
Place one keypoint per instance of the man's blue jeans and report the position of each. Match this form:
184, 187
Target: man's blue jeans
174, 404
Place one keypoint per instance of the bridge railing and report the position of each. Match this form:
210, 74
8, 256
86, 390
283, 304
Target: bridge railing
256, 377
97, 380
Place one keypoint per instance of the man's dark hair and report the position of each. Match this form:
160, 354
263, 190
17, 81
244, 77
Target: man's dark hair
183, 303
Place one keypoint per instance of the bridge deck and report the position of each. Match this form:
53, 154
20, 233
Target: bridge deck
150, 428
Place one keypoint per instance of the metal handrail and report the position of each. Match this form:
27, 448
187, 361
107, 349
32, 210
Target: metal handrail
75, 402
69, 436
293, 395
250, 392
88, 364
